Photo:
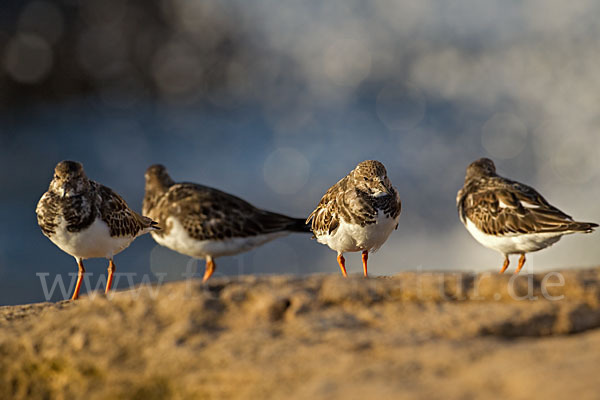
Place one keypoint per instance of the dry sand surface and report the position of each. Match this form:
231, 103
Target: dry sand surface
411, 336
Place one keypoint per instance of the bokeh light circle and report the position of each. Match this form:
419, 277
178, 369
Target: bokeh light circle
286, 171
504, 136
347, 62
28, 58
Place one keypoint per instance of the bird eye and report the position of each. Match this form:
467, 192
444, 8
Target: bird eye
365, 178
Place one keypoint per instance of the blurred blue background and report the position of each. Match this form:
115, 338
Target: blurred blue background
275, 101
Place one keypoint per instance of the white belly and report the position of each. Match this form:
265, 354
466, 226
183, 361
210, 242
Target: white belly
353, 237
514, 244
179, 240
92, 242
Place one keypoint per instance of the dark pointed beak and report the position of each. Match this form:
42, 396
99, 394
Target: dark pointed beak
384, 190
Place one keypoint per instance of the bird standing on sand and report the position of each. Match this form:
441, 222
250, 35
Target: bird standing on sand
87, 220
508, 216
358, 213
203, 222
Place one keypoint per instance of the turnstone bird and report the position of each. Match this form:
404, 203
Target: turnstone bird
203, 222
358, 213
508, 216
86, 219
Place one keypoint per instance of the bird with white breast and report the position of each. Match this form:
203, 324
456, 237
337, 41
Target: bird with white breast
88, 220
203, 222
510, 217
358, 213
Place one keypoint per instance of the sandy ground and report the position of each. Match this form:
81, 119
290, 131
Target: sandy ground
411, 336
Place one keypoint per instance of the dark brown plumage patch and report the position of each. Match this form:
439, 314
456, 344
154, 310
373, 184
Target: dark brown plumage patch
207, 213
121, 220
47, 212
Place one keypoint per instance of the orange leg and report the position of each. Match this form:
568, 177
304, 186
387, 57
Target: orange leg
111, 271
521, 263
506, 262
365, 257
79, 279
342, 261
210, 269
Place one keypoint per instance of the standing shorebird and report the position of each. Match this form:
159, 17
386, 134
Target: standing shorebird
358, 213
87, 220
203, 222
510, 217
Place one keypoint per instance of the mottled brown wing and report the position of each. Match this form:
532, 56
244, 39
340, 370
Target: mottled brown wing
209, 214
326, 217
504, 207
47, 211
121, 220
358, 207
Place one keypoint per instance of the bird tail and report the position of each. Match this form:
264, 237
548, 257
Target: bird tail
584, 227
299, 225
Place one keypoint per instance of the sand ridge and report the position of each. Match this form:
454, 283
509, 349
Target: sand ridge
410, 336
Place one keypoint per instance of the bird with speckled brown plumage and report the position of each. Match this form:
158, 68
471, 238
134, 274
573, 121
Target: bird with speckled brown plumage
87, 220
203, 222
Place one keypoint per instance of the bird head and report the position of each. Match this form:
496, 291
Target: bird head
158, 182
481, 168
69, 179
371, 176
